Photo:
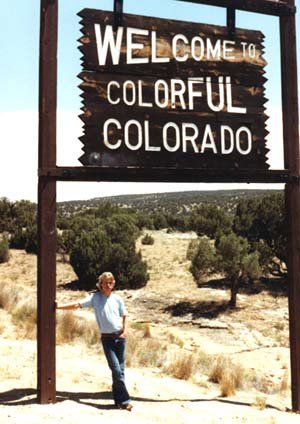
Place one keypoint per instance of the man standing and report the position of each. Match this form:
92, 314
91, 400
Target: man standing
111, 317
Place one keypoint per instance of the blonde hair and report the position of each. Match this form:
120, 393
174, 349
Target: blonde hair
104, 275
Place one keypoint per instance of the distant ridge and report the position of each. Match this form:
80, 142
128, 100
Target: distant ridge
171, 201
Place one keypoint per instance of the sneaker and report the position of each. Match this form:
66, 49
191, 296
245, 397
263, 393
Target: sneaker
127, 406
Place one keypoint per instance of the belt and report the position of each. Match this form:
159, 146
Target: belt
110, 335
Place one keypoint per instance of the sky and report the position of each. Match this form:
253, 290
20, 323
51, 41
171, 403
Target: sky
19, 46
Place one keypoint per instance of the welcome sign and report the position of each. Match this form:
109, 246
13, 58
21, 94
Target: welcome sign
171, 94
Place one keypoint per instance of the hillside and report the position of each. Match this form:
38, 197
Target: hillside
175, 202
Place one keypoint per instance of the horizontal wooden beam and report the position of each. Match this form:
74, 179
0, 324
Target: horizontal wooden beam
137, 174
267, 7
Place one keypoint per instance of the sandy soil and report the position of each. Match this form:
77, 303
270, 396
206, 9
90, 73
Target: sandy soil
255, 335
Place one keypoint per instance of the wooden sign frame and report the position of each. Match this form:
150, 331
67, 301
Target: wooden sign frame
49, 173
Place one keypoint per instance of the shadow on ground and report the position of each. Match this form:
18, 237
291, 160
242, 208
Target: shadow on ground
28, 396
201, 309
273, 286
74, 285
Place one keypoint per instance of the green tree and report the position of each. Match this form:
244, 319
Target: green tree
89, 256
203, 255
121, 229
231, 256
18, 238
65, 241
4, 250
236, 262
97, 251
24, 213
264, 219
159, 220
31, 245
6, 219
127, 266
210, 220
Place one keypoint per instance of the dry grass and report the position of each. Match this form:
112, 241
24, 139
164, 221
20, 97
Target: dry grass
260, 402
70, 327
182, 366
173, 338
143, 328
230, 376
24, 316
145, 352
8, 297
284, 383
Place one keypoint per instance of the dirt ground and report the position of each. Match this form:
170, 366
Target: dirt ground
255, 335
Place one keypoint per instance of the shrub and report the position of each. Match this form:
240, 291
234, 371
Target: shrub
229, 376
18, 238
94, 253
4, 250
127, 266
31, 245
204, 259
144, 351
192, 249
181, 367
25, 317
68, 327
8, 297
147, 239
89, 256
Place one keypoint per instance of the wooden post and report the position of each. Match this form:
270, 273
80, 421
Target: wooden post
292, 190
230, 20
47, 203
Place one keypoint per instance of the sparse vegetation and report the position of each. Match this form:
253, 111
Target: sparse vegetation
260, 402
162, 342
147, 239
24, 316
70, 327
144, 351
228, 375
182, 366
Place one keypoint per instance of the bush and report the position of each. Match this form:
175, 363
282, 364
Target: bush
18, 239
31, 245
192, 249
4, 250
203, 258
89, 256
128, 268
94, 253
182, 366
147, 239
230, 376
24, 316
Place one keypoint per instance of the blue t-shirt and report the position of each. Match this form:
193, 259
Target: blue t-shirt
108, 311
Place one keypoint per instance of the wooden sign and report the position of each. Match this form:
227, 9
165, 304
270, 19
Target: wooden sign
171, 94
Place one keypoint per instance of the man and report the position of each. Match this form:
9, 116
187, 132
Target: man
111, 317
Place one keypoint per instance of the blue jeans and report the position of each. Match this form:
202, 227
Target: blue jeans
114, 349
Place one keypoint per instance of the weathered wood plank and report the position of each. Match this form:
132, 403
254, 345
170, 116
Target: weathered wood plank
198, 50
46, 278
267, 7
152, 174
158, 139
143, 93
